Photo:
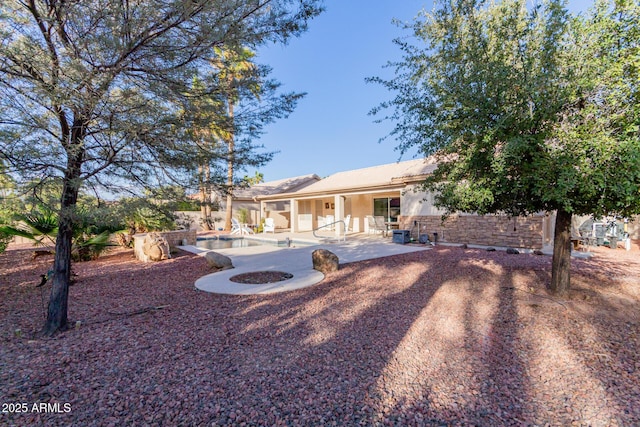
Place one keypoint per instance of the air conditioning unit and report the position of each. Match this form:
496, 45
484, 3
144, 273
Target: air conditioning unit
401, 236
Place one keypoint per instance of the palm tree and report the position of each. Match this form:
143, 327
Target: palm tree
41, 226
235, 71
202, 111
257, 178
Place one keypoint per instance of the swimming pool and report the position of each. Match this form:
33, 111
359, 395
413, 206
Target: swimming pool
226, 243
240, 242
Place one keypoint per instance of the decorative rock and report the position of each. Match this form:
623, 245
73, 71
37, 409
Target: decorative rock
512, 251
325, 261
154, 252
218, 261
156, 247
538, 252
464, 246
491, 249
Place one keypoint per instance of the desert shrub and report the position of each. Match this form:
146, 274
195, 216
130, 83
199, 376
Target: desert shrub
86, 247
5, 239
243, 215
41, 225
141, 215
187, 205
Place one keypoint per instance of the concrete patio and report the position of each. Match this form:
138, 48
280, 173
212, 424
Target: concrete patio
294, 260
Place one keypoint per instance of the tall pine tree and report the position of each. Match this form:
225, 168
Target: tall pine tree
87, 88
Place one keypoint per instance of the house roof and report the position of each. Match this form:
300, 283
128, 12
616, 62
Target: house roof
392, 175
271, 188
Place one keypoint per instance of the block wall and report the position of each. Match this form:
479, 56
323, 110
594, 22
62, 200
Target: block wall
486, 230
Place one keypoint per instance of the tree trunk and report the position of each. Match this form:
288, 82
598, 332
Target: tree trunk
73, 142
207, 206
230, 164
204, 214
561, 263
59, 298
228, 213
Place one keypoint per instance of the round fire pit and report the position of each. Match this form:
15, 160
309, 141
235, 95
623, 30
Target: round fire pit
261, 277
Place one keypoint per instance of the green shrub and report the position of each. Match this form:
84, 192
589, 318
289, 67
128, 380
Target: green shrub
5, 239
243, 215
86, 248
187, 206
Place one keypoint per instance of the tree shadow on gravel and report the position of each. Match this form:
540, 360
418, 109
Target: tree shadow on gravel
142, 329
105, 289
385, 341
478, 377
504, 391
435, 349
600, 337
441, 337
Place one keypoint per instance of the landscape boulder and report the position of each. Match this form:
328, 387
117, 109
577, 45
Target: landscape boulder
156, 247
325, 261
218, 261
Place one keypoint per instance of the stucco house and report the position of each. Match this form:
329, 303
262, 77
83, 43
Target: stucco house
247, 198
393, 191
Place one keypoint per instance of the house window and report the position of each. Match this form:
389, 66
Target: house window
388, 207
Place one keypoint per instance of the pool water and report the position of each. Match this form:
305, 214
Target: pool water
245, 243
228, 243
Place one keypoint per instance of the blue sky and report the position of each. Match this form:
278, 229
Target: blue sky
330, 130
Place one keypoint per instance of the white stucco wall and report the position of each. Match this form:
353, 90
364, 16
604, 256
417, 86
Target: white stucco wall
415, 202
359, 206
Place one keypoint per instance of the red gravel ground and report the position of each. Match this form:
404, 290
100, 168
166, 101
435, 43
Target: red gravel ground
449, 336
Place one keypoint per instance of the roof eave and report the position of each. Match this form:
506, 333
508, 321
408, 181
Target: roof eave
332, 192
410, 179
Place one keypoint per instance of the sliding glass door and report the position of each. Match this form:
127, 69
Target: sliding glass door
387, 207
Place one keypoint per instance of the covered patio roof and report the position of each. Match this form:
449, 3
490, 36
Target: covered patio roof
275, 188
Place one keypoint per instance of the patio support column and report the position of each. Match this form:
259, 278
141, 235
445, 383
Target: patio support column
263, 211
339, 211
294, 215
